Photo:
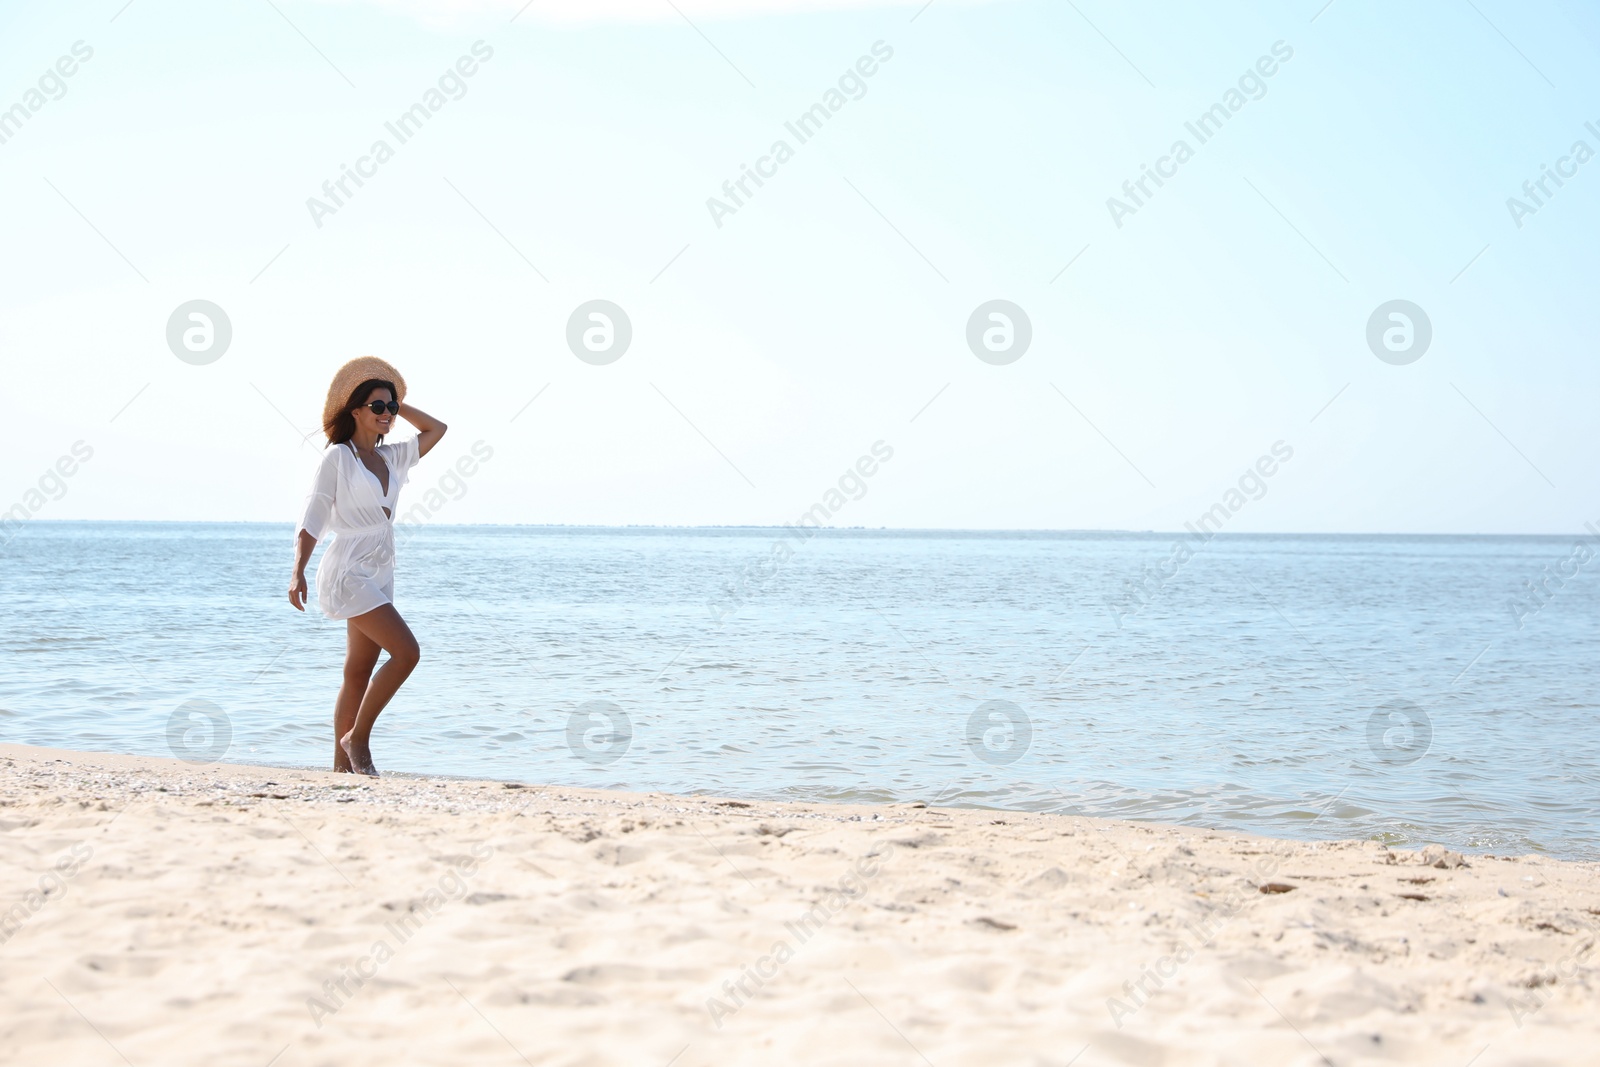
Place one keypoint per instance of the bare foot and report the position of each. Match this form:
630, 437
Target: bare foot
360, 755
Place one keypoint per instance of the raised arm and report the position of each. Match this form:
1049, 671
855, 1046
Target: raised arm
429, 429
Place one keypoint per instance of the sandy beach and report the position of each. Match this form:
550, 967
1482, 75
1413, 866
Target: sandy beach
157, 912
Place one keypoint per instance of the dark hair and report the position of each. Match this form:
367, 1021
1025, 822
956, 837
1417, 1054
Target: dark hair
343, 426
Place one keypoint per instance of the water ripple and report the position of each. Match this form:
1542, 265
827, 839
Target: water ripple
1264, 688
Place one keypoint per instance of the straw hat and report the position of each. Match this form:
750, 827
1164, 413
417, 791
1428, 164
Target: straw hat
352, 374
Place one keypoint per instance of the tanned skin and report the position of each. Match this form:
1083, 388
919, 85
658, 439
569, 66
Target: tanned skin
363, 694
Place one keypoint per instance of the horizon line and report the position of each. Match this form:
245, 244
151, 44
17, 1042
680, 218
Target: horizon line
1079, 531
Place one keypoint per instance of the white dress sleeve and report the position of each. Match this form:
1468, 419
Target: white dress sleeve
403, 455
319, 502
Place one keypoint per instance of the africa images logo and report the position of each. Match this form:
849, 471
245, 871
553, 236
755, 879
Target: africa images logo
1205, 126
405, 126
805, 126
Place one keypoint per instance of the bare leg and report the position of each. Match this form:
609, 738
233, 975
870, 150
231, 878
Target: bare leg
385, 628
361, 655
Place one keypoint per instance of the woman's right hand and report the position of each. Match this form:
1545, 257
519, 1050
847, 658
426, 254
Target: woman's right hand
297, 591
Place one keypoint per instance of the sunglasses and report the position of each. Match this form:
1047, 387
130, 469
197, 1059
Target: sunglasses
378, 407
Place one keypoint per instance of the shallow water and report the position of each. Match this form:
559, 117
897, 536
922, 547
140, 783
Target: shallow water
1305, 686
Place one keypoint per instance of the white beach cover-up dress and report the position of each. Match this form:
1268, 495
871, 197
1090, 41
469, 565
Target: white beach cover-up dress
346, 500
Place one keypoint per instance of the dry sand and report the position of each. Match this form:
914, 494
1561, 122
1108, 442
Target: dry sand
230, 915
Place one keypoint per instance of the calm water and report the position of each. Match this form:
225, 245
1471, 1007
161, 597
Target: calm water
1321, 687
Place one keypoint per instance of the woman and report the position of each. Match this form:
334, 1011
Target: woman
354, 495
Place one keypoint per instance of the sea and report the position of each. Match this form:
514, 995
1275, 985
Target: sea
1405, 689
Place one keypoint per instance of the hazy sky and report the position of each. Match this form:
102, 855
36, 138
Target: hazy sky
1368, 156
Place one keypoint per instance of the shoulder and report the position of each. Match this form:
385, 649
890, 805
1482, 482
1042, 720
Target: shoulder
399, 450
332, 456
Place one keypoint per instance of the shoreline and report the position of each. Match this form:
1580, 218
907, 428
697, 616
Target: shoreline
884, 803
266, 911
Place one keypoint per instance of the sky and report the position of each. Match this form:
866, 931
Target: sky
1179, 337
